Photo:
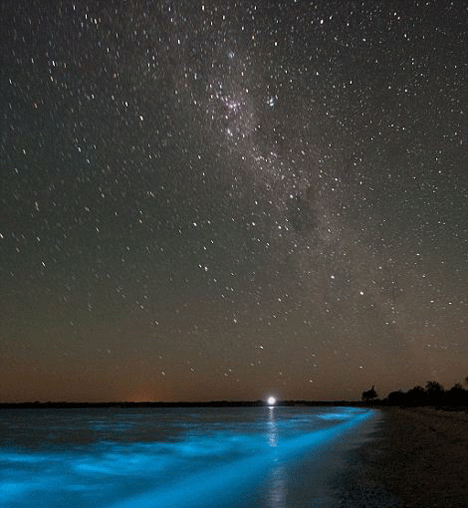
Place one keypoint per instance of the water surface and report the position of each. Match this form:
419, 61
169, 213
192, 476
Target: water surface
259, 457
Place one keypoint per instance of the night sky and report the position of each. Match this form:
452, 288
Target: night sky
226, 200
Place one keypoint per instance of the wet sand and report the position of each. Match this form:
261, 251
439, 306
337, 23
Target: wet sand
418, 457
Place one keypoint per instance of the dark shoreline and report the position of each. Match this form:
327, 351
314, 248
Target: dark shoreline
417, 457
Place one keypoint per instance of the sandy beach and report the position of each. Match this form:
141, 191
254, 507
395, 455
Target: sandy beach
419, 457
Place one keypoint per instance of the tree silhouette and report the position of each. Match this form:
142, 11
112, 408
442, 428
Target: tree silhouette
456, 395
397, 398
435, 392
369, 395
434, 386
416, 396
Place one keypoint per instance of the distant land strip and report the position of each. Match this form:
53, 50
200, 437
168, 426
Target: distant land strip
215, 403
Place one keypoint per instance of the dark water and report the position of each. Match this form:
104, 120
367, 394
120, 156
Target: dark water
179, 457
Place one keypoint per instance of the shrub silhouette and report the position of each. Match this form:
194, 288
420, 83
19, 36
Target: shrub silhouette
369, 395
397, 398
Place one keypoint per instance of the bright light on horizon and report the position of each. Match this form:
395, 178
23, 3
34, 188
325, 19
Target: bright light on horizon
271, 401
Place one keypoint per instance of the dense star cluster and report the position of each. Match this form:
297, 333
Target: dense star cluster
218, 200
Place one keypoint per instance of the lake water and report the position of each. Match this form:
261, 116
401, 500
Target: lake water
258, 457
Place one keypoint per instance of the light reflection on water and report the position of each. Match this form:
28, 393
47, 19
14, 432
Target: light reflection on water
272, 428
277, 486
191, 457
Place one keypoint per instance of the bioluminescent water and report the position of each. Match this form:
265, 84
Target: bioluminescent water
259, 457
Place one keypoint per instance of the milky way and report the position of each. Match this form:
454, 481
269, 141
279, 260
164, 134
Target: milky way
204, 201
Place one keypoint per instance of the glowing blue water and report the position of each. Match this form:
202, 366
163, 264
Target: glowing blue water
178, 457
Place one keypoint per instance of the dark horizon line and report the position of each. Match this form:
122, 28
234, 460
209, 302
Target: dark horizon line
165, 404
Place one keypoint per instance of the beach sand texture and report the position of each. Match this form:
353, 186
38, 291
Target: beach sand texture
419, 458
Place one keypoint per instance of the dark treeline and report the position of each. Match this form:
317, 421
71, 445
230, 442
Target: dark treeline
433, 394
